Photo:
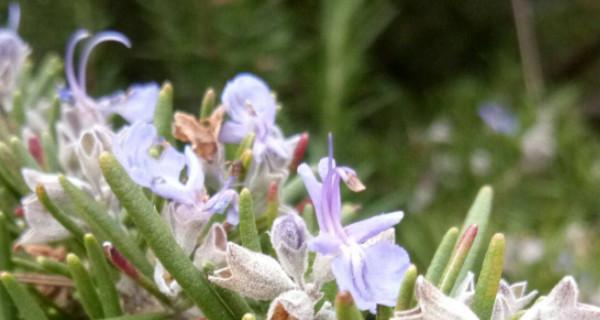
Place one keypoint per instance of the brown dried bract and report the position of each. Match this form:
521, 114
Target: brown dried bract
203, 134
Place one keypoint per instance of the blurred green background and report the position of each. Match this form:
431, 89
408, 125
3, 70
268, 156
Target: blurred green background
400, 84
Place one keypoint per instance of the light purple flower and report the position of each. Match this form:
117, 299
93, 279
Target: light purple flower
137, 104
161, 173
251, 108
499, 118
370, 269
152, 163
13, 52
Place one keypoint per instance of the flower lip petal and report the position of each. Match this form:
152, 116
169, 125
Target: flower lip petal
363, 230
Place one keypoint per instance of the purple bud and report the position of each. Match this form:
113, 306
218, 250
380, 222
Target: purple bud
290, 231
289, 238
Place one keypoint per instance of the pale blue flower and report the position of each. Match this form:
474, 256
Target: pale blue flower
371, 269
137, 104
152, 163
499, 118
251, 108
13, 52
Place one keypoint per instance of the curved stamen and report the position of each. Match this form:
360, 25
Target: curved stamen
330, 149
91, 45
69, 60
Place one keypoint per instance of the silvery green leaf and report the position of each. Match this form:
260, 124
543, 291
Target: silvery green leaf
562, 304
289, 238
434, 305
252, 274
213, 249
293, 304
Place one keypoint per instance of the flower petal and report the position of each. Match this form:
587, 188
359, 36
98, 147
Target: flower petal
233, 132
386, 264
362, 231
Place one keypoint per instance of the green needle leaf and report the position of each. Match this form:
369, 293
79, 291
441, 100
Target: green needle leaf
407, 289
53, 266
310, 218
384, 312
247, 225
7, 308
458, 258
50, 153
163, 115
208, 104
58, 214
489, 278
11, 171
246, 144
442, 256
479, 214
107, 292
83, 283
27, 306
24, 158
159, 239
95, 215
18, 111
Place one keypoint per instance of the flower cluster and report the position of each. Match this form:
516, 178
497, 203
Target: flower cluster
195, 218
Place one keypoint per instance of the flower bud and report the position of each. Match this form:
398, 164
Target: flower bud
251, 274
288, 236
294, 304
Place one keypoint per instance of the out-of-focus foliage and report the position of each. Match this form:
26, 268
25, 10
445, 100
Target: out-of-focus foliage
400, 84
